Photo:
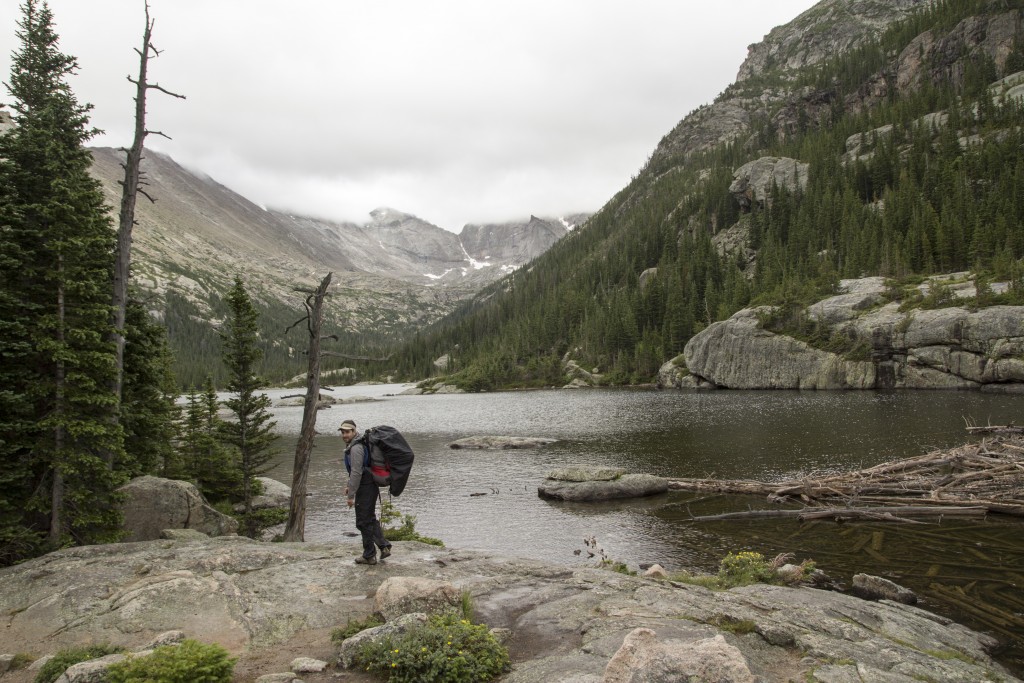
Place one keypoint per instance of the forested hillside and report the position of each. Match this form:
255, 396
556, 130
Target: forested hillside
909, 147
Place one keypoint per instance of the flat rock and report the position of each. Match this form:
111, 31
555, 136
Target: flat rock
501, 442
586, 473
625, 486
566, 623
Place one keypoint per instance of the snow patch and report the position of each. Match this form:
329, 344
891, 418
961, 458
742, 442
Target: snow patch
474, 264
438, 277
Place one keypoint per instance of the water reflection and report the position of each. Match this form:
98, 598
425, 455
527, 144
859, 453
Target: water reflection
757, 435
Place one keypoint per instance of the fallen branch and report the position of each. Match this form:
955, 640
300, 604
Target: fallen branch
974, 480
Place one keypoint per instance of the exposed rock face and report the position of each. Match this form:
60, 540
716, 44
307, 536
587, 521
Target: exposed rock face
510, 245
154, 504
246, 595
828, 28
738, 354
945, 348
753, 181
935, 59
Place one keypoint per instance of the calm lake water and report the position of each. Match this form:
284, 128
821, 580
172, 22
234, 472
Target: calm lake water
955, 566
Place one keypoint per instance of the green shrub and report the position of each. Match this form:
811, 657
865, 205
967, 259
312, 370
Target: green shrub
189, 662
407, 531
745, 568
446, 649
52, 670
21, 660
615, 566
353, 627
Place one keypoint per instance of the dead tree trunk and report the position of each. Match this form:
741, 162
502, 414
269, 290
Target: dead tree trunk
131, 187
295, 530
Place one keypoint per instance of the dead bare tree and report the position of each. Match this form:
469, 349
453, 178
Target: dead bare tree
295, 530
131, 187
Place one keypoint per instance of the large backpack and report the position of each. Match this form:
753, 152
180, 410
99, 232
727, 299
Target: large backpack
390, 457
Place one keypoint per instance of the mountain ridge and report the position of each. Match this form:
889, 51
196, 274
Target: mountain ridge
393, 274
901, 129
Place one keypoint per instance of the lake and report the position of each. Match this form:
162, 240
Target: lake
487, 500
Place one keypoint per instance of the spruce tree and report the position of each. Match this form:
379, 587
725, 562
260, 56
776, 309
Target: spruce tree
251, 432
58, 245
208, 462
149, 412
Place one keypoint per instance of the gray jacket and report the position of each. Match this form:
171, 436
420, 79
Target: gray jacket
356, 457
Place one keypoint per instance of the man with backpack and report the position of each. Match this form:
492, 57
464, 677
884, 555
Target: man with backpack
362, 493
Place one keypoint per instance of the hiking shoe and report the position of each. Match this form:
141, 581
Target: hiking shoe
385, 552
366, 560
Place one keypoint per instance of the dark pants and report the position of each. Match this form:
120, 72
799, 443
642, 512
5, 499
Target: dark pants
366, 517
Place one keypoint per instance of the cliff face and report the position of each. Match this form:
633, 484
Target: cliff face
942, 348
829, 28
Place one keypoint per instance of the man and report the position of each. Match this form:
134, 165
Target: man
362, 493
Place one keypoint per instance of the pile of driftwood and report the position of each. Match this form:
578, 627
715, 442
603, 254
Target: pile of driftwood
972, 480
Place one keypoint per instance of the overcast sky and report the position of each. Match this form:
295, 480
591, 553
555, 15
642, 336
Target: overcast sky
458, 111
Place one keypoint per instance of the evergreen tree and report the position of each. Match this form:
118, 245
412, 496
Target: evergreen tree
58, 245
207, 461
149, 412
251, 432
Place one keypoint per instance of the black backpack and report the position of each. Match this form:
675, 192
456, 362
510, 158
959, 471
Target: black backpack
390, 457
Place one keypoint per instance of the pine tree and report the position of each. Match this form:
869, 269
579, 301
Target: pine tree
251, 432
58, 244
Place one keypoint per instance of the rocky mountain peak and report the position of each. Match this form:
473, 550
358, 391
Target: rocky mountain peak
384, 215
825, 30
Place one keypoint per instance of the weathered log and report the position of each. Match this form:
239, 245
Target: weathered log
983, 476
893, 513
996, 429
747, 514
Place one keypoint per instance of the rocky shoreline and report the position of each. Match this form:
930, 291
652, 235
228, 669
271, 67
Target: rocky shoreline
569, 624
959, 347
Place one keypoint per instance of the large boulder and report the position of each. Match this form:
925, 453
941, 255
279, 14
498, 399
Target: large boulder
501, 442
275, 495
624, 486
153, 504
739, 354
393, 629
944, 348
644, 659
400, 595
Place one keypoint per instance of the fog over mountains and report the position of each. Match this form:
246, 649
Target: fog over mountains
393, 270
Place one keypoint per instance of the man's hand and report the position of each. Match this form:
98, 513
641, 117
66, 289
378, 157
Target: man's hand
350, 502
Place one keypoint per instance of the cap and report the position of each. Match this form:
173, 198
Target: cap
347, 424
